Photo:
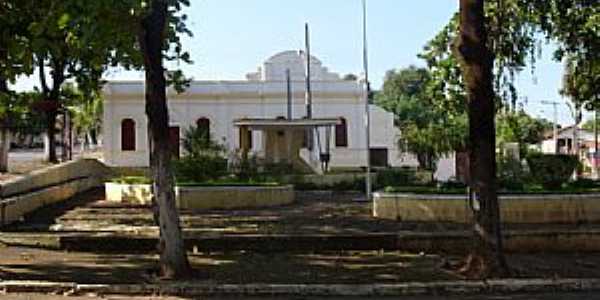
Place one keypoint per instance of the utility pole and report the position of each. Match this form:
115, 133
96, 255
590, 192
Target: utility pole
366, 98
555, 105
308, 93
289, 93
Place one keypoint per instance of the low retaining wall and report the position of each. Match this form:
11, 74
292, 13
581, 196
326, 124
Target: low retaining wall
549, 208
206, 197
50, 185
327, 179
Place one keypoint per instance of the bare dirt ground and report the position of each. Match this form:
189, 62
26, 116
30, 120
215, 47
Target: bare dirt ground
240, 268
338, 215
310, 214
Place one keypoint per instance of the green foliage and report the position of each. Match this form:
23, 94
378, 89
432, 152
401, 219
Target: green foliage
357, 184
581, 82
86, 110
511, 174
589, 124
397, 177
132, 180
453, 185
550, 170
452, 190
514, 28
427, 130
519, 127
204, 159
218, 182
575, 25
198, 142
584, 183
199, 168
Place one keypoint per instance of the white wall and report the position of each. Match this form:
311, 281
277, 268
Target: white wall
446, 168
262, 96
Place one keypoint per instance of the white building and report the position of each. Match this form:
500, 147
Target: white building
564, 142
219, 104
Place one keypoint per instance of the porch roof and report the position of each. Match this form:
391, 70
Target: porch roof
285, 123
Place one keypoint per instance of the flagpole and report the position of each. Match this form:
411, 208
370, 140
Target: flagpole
366, 99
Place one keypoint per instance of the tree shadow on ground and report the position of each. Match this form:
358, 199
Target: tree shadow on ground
322, 268
59, 266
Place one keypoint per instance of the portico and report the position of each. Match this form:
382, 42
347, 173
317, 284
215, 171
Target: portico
284, 141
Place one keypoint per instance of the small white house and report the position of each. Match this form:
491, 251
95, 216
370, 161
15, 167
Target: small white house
565, 144
219, 105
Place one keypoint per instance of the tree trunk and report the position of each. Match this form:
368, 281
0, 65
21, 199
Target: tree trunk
53, 95
4, 133
51, 137
174, 262
487, 257
4, 148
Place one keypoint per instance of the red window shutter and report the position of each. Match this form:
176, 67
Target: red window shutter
341, 134
128, 135
174, 140
203, 124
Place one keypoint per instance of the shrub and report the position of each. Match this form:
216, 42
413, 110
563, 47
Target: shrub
511, 173
200, 168
357, 184
452, 185
551, 170
204, 158
584, 183
395, 177
132, 180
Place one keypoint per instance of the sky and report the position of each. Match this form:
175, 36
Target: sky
233, 37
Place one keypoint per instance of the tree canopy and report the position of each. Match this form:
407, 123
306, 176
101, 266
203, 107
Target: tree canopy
427, 131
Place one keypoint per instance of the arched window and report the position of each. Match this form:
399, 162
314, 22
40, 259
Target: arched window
128, 135
203, 125
341, 133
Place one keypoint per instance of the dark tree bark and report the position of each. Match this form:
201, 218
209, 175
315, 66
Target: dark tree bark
174, 262
4, 132
487, 258
51, 96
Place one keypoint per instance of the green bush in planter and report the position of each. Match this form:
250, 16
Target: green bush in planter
395, 177
204, 158
200, 168
551, 170
511, 174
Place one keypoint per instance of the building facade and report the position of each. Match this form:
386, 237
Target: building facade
216, 105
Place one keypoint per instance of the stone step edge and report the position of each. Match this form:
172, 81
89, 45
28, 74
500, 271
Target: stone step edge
191, 289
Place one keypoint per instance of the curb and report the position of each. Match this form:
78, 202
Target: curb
189, 289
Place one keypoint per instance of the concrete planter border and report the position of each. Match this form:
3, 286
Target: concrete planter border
205, 197
525, 208
54, 184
